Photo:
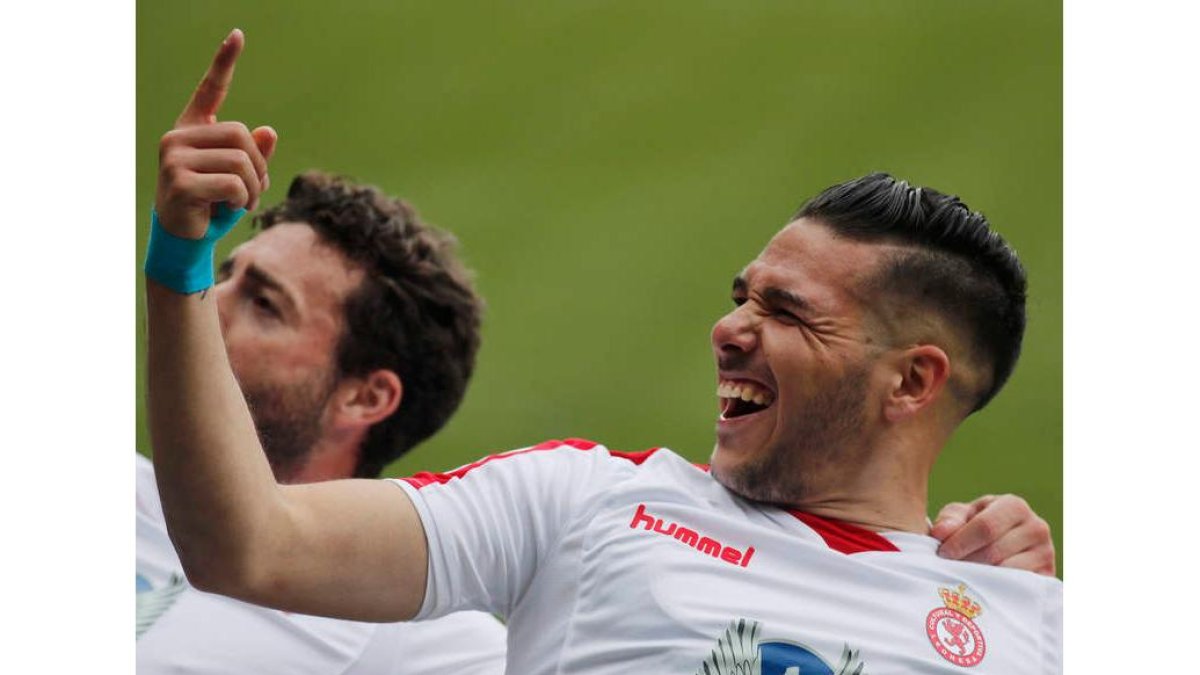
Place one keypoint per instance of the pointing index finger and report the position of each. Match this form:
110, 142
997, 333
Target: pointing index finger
210, 93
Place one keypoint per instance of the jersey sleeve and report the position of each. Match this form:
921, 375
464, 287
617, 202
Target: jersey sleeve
489, 524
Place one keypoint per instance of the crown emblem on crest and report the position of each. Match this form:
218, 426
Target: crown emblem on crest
959, 602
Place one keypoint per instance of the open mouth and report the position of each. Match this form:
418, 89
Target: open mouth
742, 398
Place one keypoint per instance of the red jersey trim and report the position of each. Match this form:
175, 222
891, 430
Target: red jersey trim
420, 480
635, 457
844, 537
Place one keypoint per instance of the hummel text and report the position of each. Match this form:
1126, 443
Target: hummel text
692, 538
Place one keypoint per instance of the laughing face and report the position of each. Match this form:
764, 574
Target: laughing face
795, 367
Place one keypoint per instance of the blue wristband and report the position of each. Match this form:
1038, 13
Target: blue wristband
186, 265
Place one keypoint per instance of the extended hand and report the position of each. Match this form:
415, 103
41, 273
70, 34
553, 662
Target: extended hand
994, 530
203, 162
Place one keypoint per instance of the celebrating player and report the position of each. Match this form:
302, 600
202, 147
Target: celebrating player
869, 328
337, 385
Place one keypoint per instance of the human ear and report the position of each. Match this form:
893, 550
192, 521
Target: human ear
921, 374
369, 399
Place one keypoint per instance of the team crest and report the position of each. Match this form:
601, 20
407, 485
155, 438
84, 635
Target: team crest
741, 651
952, 630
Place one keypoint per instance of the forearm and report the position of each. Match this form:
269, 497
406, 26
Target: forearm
218, 492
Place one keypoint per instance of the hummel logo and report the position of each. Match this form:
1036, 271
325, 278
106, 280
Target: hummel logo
692, 538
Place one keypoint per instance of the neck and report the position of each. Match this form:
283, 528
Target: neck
864, 504
331, 458
887, 490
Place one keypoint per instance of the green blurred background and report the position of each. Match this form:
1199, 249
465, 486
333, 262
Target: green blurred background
609, 166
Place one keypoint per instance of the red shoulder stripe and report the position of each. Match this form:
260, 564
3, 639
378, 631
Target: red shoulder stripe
423, 478
844, 537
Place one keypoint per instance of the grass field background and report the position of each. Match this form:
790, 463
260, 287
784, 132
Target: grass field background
609, 166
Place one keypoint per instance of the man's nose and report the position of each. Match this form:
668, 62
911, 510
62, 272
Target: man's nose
737, 331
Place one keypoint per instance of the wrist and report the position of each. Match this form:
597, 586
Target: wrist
186, 265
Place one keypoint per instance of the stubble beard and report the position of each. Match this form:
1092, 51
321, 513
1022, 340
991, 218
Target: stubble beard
795, 475
289, 422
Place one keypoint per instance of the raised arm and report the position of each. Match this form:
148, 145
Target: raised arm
352, 549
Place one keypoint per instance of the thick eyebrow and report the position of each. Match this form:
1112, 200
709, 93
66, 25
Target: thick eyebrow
263, 278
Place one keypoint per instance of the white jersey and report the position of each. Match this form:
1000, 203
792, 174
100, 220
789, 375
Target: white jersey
607, 562
183, 630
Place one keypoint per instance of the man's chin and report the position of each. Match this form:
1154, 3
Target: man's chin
755, 474
726, 465
731, 479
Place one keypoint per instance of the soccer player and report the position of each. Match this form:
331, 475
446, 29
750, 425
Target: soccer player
352, 329
868, 329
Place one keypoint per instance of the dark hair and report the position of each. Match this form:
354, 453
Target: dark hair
415, 312
957, 264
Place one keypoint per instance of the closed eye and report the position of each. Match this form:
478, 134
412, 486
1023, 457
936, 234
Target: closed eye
263, 303
787, 317
779, 313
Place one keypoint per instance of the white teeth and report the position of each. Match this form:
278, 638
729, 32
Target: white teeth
746, 392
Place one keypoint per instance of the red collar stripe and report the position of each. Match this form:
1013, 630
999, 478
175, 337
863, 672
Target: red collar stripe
844, 537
